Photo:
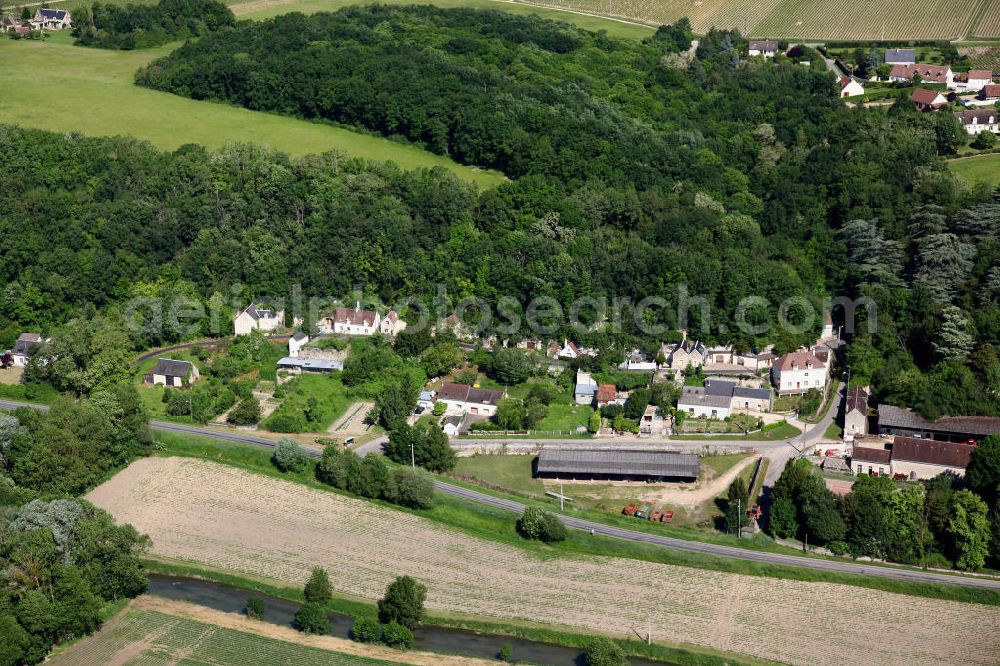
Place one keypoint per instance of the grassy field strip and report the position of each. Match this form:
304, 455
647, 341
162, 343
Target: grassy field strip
91, 91
978, 169
226, 518
809, 19
262, 9
160, 631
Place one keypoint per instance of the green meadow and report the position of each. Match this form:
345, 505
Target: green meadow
979, 169
53, 85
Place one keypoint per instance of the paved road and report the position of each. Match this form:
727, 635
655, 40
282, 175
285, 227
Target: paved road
617, 532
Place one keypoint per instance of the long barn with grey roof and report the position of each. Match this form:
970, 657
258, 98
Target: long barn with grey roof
637, 464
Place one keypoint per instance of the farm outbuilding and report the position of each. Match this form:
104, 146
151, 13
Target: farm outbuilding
617, 464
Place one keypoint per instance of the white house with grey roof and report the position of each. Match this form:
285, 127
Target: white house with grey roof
719, 399
25, 345
52, 19
173, 373
297, 342
258, 318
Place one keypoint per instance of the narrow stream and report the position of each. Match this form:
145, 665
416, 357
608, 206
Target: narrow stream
231, 599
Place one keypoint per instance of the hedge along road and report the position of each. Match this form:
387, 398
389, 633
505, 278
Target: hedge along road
607, 530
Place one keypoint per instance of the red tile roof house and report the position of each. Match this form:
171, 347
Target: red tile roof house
606, 394
928, 73
465, 399
913, 457
355, 321
972, 81
927, 100
990, 91
801, 371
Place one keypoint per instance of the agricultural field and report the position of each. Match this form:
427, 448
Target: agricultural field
141, 635
808, 19
262, 9
91, 91
979, 169
275, 530
983, 57
988, 24
850, 19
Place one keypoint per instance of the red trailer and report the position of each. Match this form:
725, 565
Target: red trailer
629, 510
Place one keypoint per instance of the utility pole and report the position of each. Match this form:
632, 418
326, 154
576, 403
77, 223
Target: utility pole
739, 518
413, 460
649, 631
561, 496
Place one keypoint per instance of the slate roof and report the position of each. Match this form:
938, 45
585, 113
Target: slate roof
25, 342
897, 417
931, 452
569, 461
719, 387
755, 393
900, 55
300, 336
980, 116
172, 368
452, 420
54, 14
763, 45
259, 313
857, 400
696, 396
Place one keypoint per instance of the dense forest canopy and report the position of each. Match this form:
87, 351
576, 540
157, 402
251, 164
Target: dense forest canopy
137, 26
637, 169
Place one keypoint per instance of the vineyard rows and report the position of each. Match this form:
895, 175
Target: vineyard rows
262, 527
983, 57
806, 19
989, 23
151, 638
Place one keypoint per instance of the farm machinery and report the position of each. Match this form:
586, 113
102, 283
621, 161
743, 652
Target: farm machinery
646, 511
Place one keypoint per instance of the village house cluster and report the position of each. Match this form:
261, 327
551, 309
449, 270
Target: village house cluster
44, 19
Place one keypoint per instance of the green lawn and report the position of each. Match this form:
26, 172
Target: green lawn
979, 169
722, 464
563, 417
504, 471
153, 638
91, 91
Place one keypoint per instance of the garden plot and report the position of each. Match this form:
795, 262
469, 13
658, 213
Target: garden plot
258, 526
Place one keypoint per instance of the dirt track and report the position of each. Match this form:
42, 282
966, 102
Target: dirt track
227, 518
